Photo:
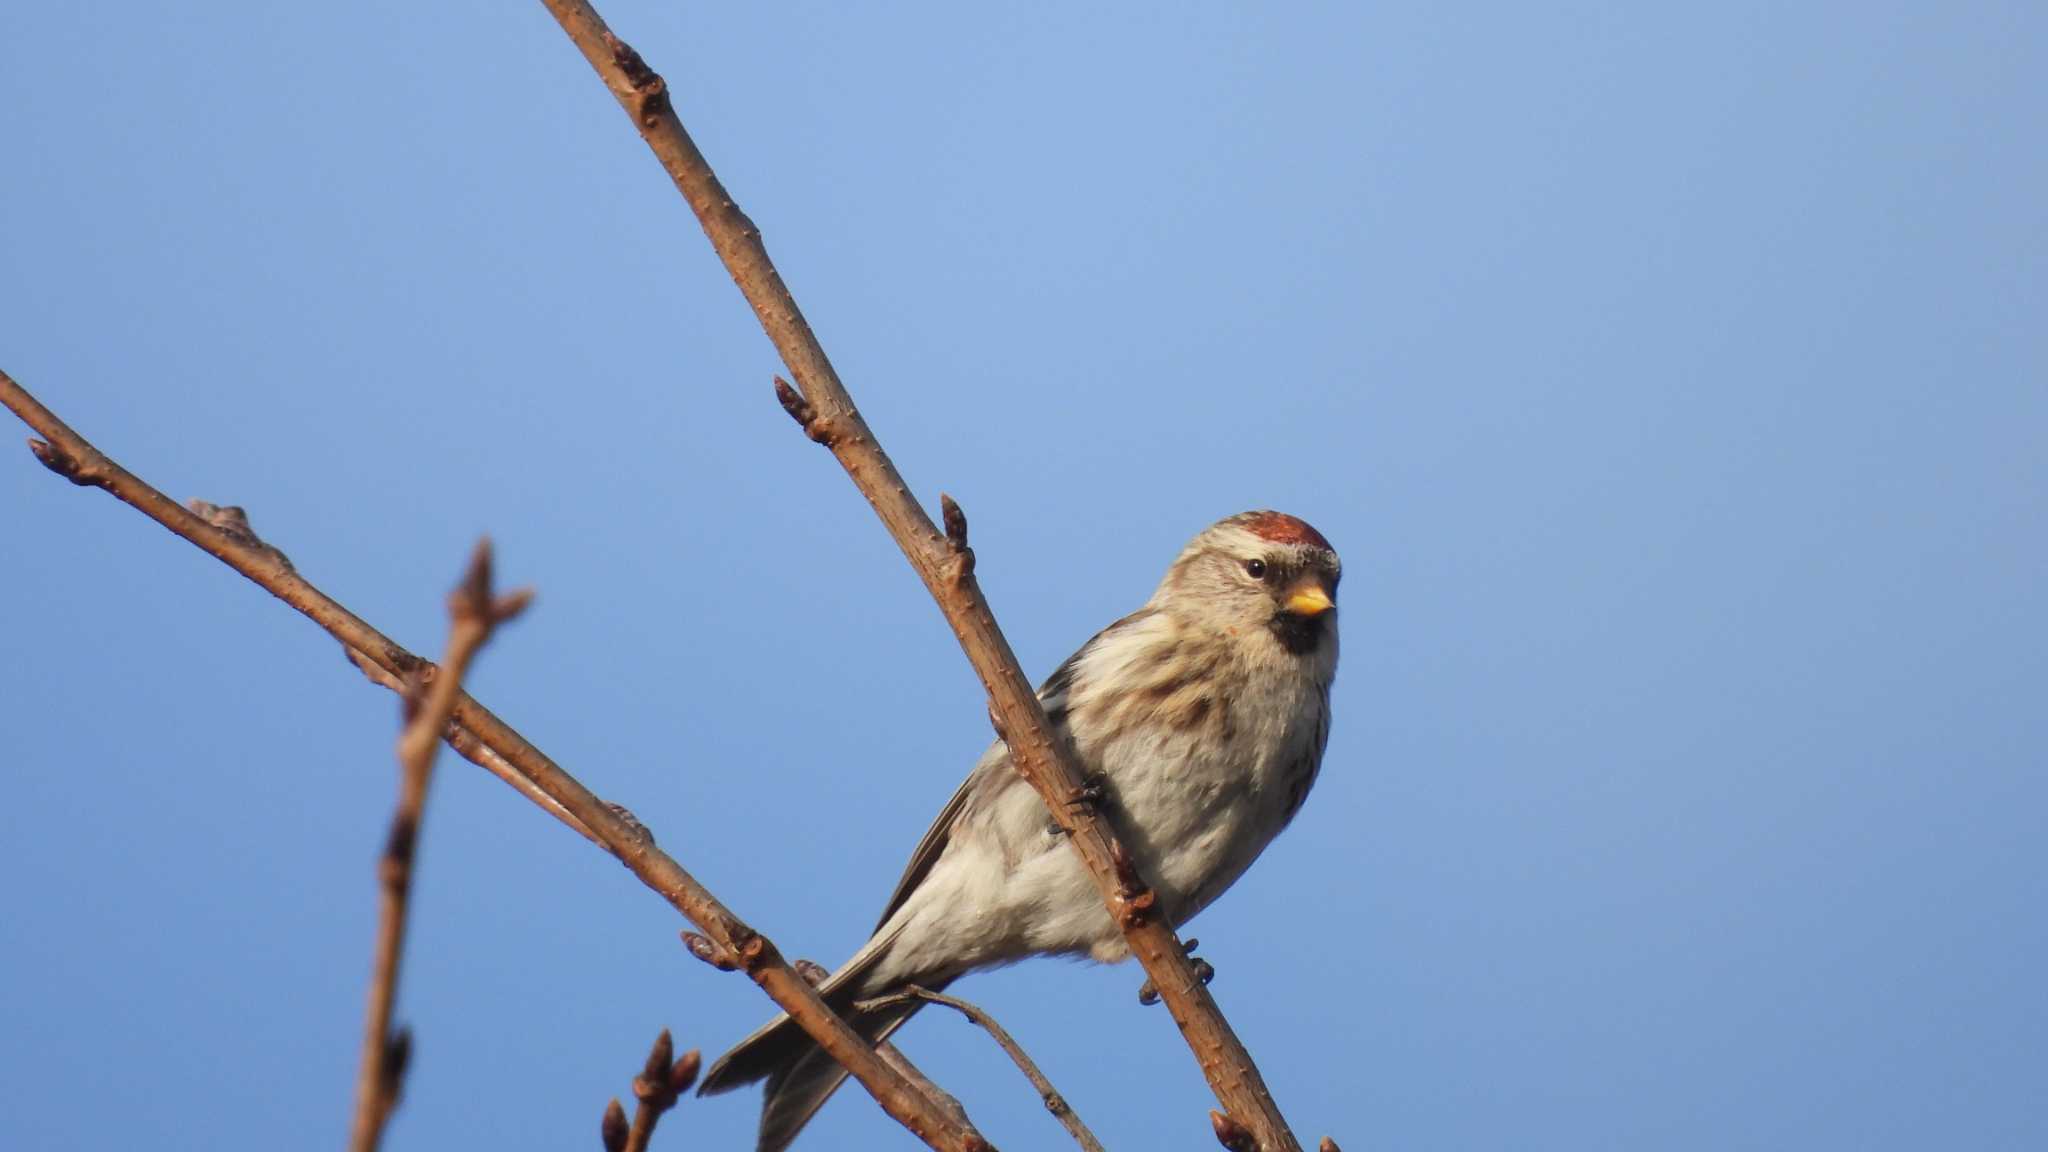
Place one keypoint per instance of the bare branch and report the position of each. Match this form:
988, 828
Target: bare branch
67, 453
946, 1101
476, 752
660, 1083
892, 1055
465, 743
827, 414
476, 613
1054, 1102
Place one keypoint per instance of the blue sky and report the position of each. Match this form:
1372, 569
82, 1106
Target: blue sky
1671, 382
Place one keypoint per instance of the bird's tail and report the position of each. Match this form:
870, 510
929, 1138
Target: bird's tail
800, 1076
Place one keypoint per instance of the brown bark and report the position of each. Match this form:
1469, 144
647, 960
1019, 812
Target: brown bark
1050, 1096
656, 1090
475, 612
826, 411
69, 455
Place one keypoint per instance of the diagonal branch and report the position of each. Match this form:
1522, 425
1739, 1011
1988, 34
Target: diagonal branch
1054, 1102
827, 414
69, 455
465, 743
816, 973
476, 612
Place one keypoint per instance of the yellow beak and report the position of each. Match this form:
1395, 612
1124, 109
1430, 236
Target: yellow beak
1309, 600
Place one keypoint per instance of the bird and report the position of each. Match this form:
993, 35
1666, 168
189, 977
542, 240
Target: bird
1201, 719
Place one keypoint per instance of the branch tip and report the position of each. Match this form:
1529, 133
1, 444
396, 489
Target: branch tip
612, 1129
662, 1080
471, 599
683, 1073
655, 1071
511, 604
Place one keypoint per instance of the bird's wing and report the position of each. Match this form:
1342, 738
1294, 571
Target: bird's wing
1053, 695
934, 841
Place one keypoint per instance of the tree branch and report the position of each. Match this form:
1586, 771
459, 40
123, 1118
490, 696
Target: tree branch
657, 1088
817, 974
465, 743
1054, 1102
68, 454
475, 613
827, 414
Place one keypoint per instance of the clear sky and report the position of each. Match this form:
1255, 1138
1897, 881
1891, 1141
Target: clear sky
1671, 381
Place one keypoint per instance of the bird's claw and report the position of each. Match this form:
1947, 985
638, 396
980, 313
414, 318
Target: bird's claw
1148, 992
1093, 791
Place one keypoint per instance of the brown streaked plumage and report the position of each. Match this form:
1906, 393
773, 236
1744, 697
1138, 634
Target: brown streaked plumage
1204, 714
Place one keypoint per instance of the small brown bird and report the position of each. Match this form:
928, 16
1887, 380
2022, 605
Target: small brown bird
1203, 715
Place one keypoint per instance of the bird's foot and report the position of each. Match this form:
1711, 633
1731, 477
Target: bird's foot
1093, 791
1089, 797
1148, 993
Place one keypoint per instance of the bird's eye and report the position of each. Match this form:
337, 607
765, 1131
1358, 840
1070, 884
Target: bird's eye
1255, 568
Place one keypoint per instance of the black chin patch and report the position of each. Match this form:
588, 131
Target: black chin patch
1297, 633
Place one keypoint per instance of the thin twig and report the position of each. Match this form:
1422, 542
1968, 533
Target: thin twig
475, 612
660, 1084
465, 743
1054, 1102
892, 1055
826, 412
69, 455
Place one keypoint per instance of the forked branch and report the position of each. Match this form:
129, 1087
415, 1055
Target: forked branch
69, 455
827, 414
660, 1084
1054, 1102
475, 611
